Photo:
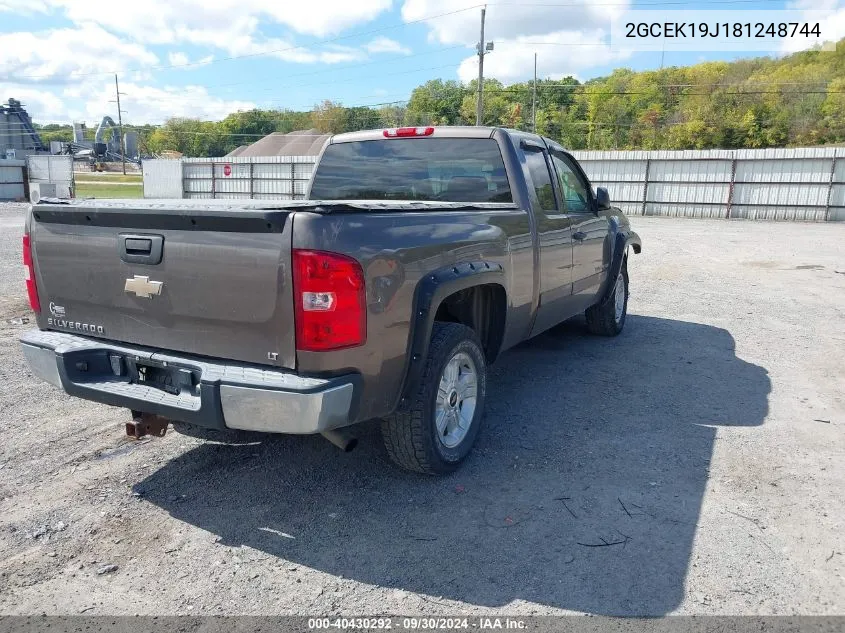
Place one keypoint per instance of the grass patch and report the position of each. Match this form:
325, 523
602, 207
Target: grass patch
105, 176
84, 190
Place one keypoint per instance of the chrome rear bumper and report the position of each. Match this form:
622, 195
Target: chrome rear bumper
198, 391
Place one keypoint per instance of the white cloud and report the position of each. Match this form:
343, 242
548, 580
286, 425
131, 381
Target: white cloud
70, 66
509, 21
48, 106
159, 21
241, 37
177, 58
559, 54
119, 32
24, 7
584, 24
383, 44
246, 44
53, 56
832, 26
91, 99
152, 104
180, 59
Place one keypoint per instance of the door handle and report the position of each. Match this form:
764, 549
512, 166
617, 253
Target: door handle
579, 236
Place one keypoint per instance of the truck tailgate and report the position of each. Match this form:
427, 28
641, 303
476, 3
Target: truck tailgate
210, 280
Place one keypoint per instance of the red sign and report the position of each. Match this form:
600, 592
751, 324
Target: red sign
227, 170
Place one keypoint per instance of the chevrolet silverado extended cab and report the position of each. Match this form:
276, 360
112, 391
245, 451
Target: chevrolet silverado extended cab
419, 256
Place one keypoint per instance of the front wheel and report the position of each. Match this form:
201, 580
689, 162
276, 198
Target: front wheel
608, 317
435, 430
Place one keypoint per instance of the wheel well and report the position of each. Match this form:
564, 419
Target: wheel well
483, 308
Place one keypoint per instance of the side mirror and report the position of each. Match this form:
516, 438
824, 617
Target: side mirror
602, 199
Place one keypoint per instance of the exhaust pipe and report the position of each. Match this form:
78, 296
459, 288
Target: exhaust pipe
344, 439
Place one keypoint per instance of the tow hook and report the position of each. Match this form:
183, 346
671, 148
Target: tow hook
146, 424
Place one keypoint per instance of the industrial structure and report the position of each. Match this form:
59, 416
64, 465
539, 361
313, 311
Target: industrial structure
18, 137
102, 149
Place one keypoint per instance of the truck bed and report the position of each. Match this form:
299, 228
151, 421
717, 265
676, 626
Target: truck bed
222, 272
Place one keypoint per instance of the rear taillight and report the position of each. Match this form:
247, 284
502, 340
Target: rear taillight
408, 131
31, 289
329, 301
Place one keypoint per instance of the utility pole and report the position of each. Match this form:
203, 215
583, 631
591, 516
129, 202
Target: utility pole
120, 125
534, 99
479, 107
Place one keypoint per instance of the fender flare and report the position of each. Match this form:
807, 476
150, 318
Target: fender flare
621, 242
431, 290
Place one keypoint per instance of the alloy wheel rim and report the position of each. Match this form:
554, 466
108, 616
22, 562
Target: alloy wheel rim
457, 396
619, 292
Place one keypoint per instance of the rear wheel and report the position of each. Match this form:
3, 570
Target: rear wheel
436, 429
608, 317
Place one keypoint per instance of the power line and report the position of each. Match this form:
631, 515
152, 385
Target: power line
466, 91
334, 69
276, 119
276, 86
342, 81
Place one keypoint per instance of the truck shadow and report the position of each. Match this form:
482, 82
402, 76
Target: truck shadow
584, 491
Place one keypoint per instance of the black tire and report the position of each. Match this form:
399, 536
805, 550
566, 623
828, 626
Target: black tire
601, 318
410, 434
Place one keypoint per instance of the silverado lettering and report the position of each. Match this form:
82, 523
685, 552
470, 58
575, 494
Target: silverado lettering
75, 325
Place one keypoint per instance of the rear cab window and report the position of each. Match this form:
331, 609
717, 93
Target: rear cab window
538, 169
438, 169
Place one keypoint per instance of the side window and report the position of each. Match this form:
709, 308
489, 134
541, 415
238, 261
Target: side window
574, 190
538, 169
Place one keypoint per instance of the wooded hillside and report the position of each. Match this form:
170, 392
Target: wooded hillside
797, 100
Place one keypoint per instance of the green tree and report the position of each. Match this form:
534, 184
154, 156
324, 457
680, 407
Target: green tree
329, 117
797, 99
497, 104
436, 102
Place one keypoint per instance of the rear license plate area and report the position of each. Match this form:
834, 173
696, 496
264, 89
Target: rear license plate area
171, 379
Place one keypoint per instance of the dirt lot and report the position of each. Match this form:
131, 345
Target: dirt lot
696, 464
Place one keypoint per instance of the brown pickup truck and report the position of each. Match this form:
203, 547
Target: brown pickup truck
419, 256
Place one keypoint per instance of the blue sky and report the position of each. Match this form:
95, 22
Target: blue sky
206, 58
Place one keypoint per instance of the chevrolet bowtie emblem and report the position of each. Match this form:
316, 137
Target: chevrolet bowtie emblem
143, 287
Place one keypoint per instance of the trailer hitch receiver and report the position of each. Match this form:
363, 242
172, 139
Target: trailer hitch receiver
146, 424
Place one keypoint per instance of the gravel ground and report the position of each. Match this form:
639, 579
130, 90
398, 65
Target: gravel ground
693, 465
